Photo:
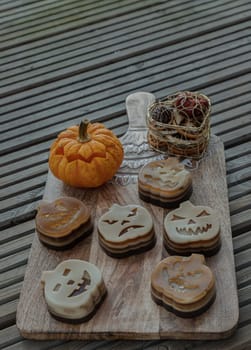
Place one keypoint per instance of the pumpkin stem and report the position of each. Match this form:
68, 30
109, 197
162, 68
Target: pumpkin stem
83, 135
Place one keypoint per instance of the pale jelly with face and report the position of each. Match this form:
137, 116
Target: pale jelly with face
73, 290
126, 229
190, 223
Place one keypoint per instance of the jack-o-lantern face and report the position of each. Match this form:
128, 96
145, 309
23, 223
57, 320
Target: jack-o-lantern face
168, 174
191, 223
121, 223
182, 279
72, 286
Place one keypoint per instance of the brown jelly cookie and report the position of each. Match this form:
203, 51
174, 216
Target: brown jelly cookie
165, 183
126, 230
183, 285
192, 229
73, 291
62, 223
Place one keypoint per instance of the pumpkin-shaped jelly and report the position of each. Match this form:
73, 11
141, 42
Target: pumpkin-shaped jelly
87, 155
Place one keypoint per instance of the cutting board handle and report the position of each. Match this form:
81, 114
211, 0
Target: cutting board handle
136, 106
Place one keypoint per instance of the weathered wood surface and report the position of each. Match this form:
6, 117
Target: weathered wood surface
128, 311
55, 68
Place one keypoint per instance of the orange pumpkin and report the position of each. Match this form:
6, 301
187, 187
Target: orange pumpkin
87, 155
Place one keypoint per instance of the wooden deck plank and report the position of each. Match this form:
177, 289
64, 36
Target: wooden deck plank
241, 221
239, 190
10, 293
36, 109
74, 116
8, 336
106, 73
16, 246
70, 22
40, 148
160, 9
12, 276
17, 231
240, 150
40, 12
29, 175
244, 277
120, 53
83, 50
8, 313
239, 204
14, 260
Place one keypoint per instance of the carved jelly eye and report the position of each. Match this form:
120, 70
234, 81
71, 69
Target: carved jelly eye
70, 282
66, 272
203, 213
133, 212
86, 276
177, 217
124, 222
110, 221
57, 287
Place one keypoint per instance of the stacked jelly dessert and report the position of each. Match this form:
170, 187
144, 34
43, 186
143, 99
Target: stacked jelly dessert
183, 285
62, 223
192, 229
74, 290
126, 230
165, 183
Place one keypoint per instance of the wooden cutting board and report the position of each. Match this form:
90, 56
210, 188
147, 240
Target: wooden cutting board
128, 312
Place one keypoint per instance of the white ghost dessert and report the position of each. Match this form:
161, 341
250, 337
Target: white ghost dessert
126, 230
74, 290
192, 229
165, 183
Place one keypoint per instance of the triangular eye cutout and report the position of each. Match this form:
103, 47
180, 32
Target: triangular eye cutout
203, 213
177, 217
133, 212
111, 222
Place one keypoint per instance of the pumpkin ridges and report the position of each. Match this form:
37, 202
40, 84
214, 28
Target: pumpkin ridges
106, 140
81, 171
93, 127
55, 163
85, 151
73, 128
104, 132
62, 168
98, 149
112, 161
70, 148
115, 153
70, 171
101, 164
93, 178
63, 142
67, 134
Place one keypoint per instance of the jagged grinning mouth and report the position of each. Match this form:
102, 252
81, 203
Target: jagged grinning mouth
190, 231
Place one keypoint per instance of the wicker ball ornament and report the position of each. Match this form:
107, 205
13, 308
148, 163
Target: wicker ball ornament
161, 113
192, 106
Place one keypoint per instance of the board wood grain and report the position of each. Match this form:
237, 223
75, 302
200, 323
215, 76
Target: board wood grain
128, 312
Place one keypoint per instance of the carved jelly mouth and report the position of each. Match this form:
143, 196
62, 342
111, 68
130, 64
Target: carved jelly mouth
193, 231
129, 228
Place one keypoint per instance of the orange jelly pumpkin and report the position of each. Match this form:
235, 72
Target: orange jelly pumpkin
87, 155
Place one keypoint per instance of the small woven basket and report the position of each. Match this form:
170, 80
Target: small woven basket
176, 129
